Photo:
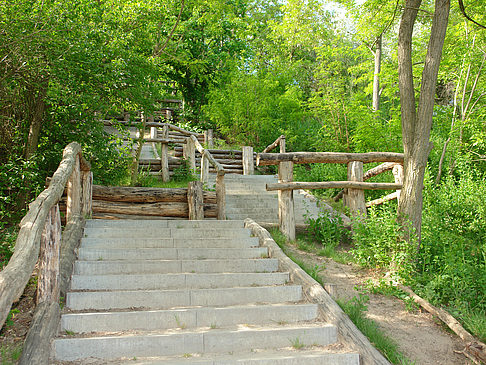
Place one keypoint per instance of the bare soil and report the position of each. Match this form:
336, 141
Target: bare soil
420, 336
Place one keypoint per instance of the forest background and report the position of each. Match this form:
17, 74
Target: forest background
253, 70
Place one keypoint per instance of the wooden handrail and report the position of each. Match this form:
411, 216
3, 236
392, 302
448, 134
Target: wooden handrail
333, 185
275, 144
15, 276
264, 159
220, 172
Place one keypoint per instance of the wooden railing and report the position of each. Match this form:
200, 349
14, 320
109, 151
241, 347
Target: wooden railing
280, 141
40, 239
354, 197
206, 158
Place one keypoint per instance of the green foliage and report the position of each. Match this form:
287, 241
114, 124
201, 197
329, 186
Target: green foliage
10, 354
378, 242
183, 172
355, 309
327, 229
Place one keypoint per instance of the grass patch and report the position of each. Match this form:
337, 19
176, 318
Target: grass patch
355, 309
10, 354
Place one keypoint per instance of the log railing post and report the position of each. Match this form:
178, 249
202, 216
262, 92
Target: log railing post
281, 143
208, 138
73, 205
398, 175
164, 156
87, 194
248, 165
355, 199
221, 196
195, 200
48, 282
286, 217
204, 168
190, 154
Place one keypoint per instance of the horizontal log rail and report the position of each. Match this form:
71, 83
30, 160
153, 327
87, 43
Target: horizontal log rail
40, 231
280, 141
333, 185
265, 159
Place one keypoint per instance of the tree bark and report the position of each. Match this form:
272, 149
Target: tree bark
417, 122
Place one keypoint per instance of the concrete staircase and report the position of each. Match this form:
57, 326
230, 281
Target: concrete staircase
186, 292
247, 197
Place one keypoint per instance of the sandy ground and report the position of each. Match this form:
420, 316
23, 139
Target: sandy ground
420, 336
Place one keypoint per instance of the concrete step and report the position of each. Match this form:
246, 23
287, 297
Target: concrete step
210, 242
283, 356
186, 342
176, 281
171, 253
173, 266
151, 223
164, 299
187, 318
115, 232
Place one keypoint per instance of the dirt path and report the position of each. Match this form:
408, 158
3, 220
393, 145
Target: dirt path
419, 336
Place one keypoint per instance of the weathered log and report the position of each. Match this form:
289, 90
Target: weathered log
74, 192
164, 162
313, 291
355, 199
286, 215
333, 185
138, 152
71, 238
383, 199
274, 144
170, 209
218, 152
398, 175
208, 138
86, 193
248, 162
265, 159
190, 153
221, 197
204, 152
48, 280
475, 347
371, 173
146, 195
14, 277
43, 328
195, 200
204, 169
159, 140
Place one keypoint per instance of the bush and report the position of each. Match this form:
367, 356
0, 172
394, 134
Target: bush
328, 229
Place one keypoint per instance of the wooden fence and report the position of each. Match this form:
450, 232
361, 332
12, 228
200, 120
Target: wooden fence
355, 186
40, 239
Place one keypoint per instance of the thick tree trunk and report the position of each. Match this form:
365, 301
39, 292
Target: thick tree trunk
416, 123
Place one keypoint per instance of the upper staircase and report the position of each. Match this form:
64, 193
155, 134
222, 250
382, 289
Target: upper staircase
186, 292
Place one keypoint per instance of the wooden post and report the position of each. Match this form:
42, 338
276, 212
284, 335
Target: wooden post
248, 165
190, 154
195, 200
164, 156
355, 197
282, 144
398, 175
48, 283
204, 168
221, 196
87, 194
208, 138
73, 204
286, 217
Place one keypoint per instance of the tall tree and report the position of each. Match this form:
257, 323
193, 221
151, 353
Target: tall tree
417, 117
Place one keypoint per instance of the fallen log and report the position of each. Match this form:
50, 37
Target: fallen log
475, 347
170, 209
383, 199
265, 159
333, 185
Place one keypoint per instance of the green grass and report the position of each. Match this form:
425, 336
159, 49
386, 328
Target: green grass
10, 354
355, 309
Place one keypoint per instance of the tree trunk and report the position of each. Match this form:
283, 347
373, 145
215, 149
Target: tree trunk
376, 79
417, 122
